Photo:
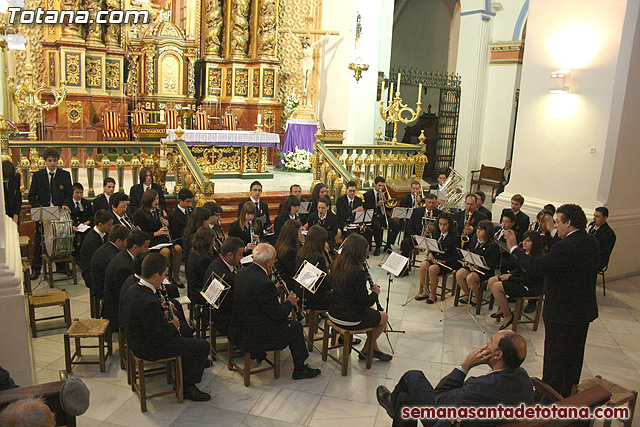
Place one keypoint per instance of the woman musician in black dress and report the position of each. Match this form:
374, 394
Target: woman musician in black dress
469, 277
520, 282
199, 217
247, 227
288, 210
351, 308
150, 219
439, 264
287, 247
197, 264
313, 251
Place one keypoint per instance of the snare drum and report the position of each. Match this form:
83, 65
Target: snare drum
58, 236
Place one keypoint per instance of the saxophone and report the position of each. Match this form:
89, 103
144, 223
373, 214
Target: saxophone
464, 239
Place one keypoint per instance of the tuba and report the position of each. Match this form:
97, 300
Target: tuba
453, 191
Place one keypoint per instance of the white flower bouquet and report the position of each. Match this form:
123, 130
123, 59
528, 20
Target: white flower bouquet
296, 161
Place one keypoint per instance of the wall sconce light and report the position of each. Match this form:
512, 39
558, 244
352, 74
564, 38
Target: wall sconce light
358, 68
560, 74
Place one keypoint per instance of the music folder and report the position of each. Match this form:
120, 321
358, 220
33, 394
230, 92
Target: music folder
401, 213
434, 246
309, 276
420, 242
473, 259
304, 207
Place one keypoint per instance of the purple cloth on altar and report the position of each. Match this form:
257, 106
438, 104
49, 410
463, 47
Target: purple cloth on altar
299, 135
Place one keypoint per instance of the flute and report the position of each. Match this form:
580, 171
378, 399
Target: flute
372, 285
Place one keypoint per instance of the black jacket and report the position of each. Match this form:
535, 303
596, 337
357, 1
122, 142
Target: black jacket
244, 234
260, 321
221, 317
286, 267
414, 224
490, 252
195, 269
342, 209
322, 298
278, 222
178, 222
12, 196
524, 274
101, 202
128, 283
90, 245
522, 221
39, 190
449, 246
149, 224
264, 210
129, 224
486, 212
136, 192
460, 218
99, 262
406, 201
349, 305
120, 267
80, 217
370, 203
570, 271
606, 239
330, 224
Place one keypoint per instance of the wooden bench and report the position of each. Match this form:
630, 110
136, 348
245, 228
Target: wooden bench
519, 312
487, 175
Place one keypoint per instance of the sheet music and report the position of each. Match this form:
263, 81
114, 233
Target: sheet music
420, 242
395, 263
304, 207
309, 276
363, 216
401, 213
478, 261
213, 292
247, 259
184, 300
160, 246
434, 246
45, 213
82, 228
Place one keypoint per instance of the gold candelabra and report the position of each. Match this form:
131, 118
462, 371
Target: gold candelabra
27, 96
394, 110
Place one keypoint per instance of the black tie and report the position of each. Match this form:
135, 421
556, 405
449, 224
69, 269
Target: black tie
258, 207
441, 238
322, 222
351, 205
186, 212
78, 207
51, 174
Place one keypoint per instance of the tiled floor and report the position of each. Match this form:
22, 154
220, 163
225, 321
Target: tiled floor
434, 341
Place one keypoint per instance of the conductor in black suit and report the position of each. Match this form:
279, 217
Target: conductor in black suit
507, 384
180, 215
12, 194
224, 266
325, 219
153, 330
117, 241
570, 270
375, 199
96, 237
469, 214
146, 183
522, 219
260, 322
603, 233
108, 188
416, 221
50, 186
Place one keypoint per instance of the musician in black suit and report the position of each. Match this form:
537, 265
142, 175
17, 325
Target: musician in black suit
507, 222
197, 264
81, 213
153, 332
325, 219
12, 194
231, 252
246, 227
375, 199
262, 208
120, 267
287, 246
507, 384
96, 237
346, 208
295, 190
522, 219
101, 258
313, 251
146, 183
469, 276
102, 201
288, 210
436, 263
180, 215
119, 203
415, 223
480, 198
603, 233
570, 271
504, 179
50, 186
260, 322
469, 214
442, 177
411, 200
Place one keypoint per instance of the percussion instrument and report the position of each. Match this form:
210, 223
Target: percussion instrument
58, 236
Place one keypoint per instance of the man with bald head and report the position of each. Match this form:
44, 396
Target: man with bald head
507, 383
27, 412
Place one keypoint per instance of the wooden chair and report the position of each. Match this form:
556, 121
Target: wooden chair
313, 319
139, 376
49, 299
201, 121
619, 396
442, 284
139, 117
171, 115
48, 268
113, 128
196, 320
87, 328
481, 301
601, 273
246, 371
487, 175
518, 312
330, 330
230, 121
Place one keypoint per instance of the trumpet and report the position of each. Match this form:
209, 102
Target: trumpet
389, 202
464, 239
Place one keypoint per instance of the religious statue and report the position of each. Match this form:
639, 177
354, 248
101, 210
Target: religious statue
94, 34
240, 29
306, 63
267, 27
72, 30
213, 26
113, 30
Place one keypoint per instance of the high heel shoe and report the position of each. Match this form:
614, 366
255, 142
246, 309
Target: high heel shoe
497, 315
506, 325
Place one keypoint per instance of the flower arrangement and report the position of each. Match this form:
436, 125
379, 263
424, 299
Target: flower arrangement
291, 102
296, 161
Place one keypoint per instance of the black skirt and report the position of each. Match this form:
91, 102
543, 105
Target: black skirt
370, 319
518, 290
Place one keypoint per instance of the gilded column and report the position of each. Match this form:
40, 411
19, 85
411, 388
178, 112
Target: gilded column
72, 31
267, 28
212, 28
94, 34
239, 35
113, 30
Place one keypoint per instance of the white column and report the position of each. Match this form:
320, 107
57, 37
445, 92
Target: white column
472, 66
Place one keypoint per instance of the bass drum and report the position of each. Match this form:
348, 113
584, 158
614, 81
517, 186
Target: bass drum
58, 236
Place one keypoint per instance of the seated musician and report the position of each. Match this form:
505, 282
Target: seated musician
546, 227
12, 194
28, 411
351, 308
411, 200
103, 256
319, 190
262, 208
346, 208
327, 220
313, 251
247, 227
81, 213
480, 198
442, 177
375, 199
95, 238
507, 222
288, 210
522, 220
198, 262
153, 331
199, 217
225, 266
180, 215
467, 220
150, 219
146, 183
519, 282
469, 277
216, 215
119, 204
434, 265
416, 223
287, 246
103, 200
260, 322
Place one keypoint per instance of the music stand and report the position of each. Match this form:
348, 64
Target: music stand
214, 296
363, 217
46, 213
304, 207
394, 265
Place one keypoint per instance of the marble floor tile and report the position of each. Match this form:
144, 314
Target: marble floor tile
286, 405
359, 388
107, 399
230, 393
253, 421
418, 349
202, 415
161, 411
335, 412
422, 331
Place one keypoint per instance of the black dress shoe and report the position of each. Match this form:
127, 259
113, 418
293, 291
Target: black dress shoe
430, 301
35, 274
376, 252
531, 307
497, 315
305, 372
191, 392
384, 357
506, 325
384, 399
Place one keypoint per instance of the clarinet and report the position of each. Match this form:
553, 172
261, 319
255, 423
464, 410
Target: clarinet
275, 272
164, 296
161, 217
372, 285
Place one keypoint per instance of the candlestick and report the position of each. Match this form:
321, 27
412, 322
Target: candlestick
420, 93
391, 96
399, 75
259, 118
